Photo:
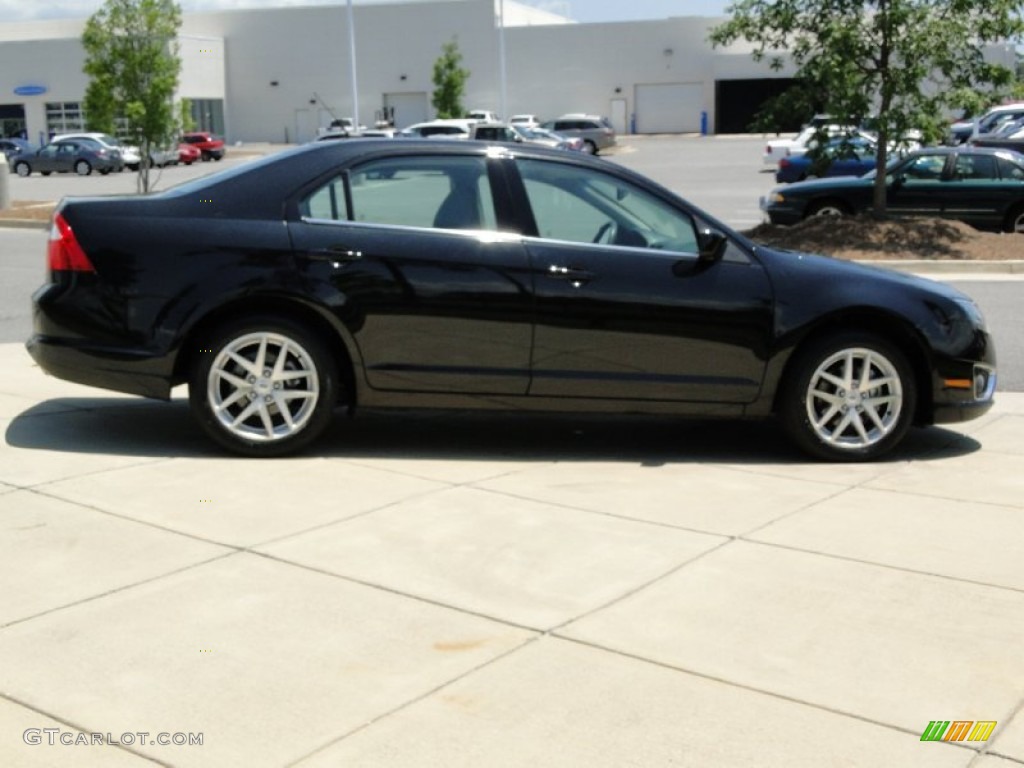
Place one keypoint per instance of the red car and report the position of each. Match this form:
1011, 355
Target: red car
209, 145
189, 153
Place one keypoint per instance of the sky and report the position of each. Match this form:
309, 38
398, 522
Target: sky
580, 10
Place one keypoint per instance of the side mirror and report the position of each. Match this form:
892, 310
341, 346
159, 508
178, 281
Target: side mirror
711, 245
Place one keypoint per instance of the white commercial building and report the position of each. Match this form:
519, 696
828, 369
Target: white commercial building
280, 74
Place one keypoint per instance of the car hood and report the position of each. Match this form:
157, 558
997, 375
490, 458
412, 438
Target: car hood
814, 267
833, 182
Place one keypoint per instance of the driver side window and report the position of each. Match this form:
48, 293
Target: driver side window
582, 205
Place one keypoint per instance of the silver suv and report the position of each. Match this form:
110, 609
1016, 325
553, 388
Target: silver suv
596, 131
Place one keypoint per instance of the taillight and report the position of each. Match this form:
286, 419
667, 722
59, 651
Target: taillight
63, 252
784, 162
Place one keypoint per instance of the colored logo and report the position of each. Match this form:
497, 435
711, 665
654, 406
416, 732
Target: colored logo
30, 90
958, 730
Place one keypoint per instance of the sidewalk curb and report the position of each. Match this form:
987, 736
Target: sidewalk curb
24, 223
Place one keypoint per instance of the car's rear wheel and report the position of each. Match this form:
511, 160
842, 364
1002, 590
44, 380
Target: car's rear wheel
848, 397
1015, 220
827, 208
589, 147
82, 168
23, 169
267, 387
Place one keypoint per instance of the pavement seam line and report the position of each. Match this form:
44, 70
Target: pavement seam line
417, 699
81, 729
748, 687
871, 563
116, 590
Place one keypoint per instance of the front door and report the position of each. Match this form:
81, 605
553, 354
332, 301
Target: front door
624, 307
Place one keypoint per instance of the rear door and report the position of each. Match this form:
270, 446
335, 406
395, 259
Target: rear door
408, 250
976, 192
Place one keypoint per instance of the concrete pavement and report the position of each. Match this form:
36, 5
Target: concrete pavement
456, 590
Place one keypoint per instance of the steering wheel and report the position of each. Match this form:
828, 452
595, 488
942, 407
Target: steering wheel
606, 234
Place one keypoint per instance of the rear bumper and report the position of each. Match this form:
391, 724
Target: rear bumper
134, 372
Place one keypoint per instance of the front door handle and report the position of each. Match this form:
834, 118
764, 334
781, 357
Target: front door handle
575, 275
336, 254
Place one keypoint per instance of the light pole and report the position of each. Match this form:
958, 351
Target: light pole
502, 103
352, 65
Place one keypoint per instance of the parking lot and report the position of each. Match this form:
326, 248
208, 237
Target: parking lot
467, 590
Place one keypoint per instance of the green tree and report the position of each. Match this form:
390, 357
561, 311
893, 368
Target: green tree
131, 58
449, 82
904, 62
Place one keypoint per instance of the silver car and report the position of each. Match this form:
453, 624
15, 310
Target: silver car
596, 131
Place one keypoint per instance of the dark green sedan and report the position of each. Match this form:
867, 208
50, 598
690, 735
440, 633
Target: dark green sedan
980, 186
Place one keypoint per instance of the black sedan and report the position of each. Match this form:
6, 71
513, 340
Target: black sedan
81, 156
982, 187
430, 274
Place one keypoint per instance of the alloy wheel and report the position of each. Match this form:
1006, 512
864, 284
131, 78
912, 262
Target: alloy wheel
263, 387
854, 399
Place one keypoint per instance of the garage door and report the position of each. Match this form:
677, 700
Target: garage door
409, 107
669, 108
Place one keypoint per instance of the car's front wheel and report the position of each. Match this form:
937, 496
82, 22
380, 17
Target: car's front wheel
23, 169
266, 387
848, 397
827, 208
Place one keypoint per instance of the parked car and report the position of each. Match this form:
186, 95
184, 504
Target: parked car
776, 149
454, 128
160, 157
189, 153
81, 156
1009, 136
517, 134
211, 147
129, 153
494, 132
840, 157
962, 130
15, 146
979, 186
595, 131
547, 138
527, 121
377, 273
482, 116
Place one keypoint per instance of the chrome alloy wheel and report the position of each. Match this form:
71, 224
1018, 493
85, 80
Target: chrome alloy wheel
263, 387
854, 399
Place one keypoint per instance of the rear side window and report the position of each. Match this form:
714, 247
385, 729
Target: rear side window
427, 192
1009, 170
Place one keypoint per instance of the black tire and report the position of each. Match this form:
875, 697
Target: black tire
263, 412
82, 167
589, 147
23, 169
827, 208
1015, 220
851, 423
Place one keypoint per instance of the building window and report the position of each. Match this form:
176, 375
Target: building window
208, 115
64, 117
